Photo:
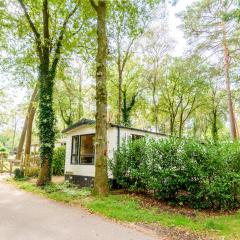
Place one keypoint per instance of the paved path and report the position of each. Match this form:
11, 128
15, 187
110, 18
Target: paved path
24, 216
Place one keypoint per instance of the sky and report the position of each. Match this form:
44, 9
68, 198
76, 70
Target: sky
19, 95
174, 23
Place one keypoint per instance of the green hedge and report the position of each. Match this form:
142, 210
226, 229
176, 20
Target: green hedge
58, 161
184, 172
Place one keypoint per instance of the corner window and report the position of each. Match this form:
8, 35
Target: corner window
83, 150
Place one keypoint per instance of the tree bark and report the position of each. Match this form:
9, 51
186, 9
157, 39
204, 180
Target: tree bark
119, 95
101, 173
46, 113
29, 137
155, 104
24, 130
228, 85
214, 126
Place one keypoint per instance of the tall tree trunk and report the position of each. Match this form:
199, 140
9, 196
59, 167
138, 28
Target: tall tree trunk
46, 113
228, 85
180, 125
80, 106
214, 126
155, 105
23, 134
46, 125
29, 137
119, 95
125, 115
14, 133
101, 171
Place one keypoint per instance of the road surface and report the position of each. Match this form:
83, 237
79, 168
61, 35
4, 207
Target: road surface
24, 216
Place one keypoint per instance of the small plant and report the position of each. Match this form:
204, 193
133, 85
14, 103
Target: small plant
18, 174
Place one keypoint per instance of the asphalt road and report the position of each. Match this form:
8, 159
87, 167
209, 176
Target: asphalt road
24, 216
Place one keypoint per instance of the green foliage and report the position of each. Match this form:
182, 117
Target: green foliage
18, 174
183, 172
58, 161
3, 149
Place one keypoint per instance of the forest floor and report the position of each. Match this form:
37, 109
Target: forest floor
159, 219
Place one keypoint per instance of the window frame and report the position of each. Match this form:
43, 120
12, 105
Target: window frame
135, 137
93, 155
78, 154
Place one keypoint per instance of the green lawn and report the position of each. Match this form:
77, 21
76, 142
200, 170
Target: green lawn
126, 208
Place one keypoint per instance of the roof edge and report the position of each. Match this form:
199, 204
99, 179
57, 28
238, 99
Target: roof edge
85, 121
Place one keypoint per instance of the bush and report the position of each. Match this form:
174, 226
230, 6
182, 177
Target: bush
184, 172
58, 161
31, 171
18, 174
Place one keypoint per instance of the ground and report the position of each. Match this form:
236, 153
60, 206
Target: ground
126, 211
25, 216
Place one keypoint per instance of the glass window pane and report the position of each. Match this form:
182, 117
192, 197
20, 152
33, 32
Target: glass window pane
87, 149
136, 137
87, 146
87, 159
75, 147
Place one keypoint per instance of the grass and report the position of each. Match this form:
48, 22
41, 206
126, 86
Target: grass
128, 209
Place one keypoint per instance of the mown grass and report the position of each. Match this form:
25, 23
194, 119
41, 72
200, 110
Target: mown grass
128, 209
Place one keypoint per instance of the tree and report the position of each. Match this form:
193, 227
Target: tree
207, 28
101, 171
127, 22
48, 49
69, 94
156, 46
27, 126
183, 84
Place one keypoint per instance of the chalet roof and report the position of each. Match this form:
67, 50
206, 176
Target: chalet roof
85, 121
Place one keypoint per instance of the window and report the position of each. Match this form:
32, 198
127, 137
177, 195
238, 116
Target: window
75, 149
87, 149
83, 150
136, 137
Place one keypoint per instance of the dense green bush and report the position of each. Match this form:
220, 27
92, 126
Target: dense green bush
58, 161
184, 172
18, 174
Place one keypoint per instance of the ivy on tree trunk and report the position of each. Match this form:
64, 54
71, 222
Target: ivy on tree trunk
47, 72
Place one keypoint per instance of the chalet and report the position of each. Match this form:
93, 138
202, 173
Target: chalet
80, 148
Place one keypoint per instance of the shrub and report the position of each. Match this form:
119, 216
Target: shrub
18, 174
181, 171
31, 171
58, 161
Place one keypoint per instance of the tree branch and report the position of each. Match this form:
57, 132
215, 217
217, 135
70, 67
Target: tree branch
94, 5
46, 38
34, 29
59, 42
